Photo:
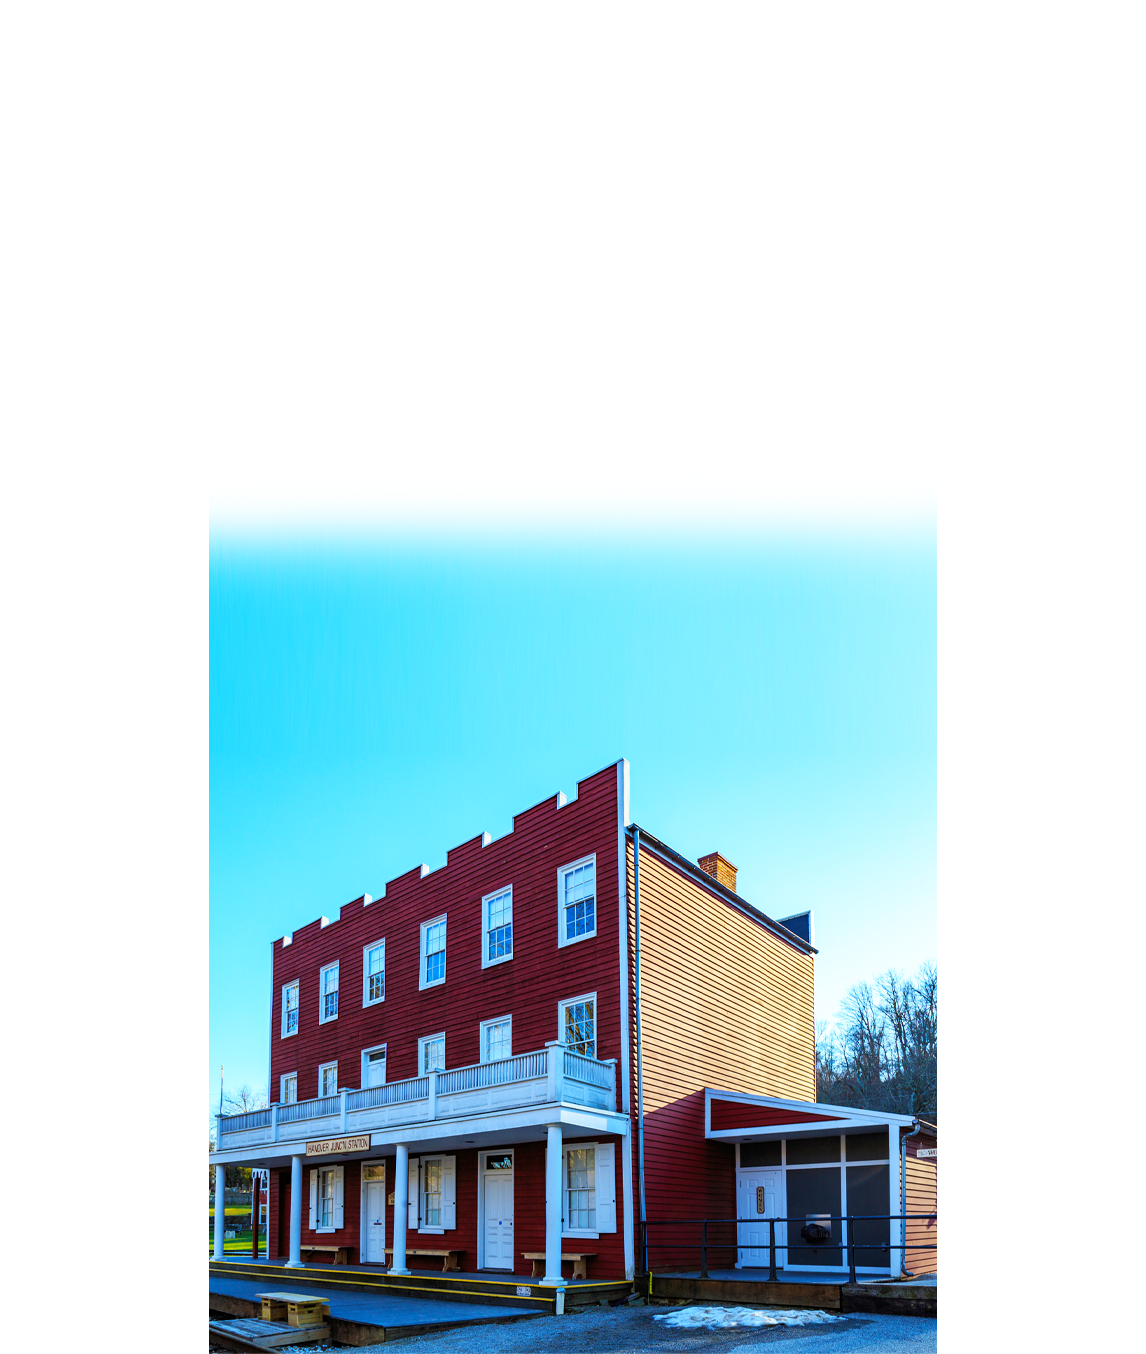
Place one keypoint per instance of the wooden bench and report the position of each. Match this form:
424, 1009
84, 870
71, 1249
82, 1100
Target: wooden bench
297, 1309
339, 1255
578, 1259
451, 1259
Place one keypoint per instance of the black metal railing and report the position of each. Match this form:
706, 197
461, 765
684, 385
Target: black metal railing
850, 1245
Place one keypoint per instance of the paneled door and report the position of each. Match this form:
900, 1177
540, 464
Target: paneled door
758, 1195
497, 1179
376, 1222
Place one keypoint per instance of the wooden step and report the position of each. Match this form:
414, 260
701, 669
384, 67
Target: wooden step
269, 1334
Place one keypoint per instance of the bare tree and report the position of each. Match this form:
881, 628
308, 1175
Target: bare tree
244, 1100
882, 1053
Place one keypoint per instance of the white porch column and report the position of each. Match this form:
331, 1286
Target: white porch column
401, 1203
220, 1210
295, 1261
553, 1209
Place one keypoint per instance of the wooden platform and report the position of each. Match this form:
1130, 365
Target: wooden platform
253, 1330
889, 1299
677, 1288
508, 1291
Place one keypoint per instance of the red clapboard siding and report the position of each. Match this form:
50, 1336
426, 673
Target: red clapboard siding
528, 987
736, 1114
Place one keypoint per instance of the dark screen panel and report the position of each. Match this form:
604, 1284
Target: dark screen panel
869, 1192
868, 1146
811, 1151
760, 1154
813, 1192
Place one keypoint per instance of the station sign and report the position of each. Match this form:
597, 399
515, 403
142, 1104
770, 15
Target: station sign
326, 1147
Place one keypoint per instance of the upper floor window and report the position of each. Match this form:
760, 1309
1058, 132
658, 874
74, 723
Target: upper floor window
290, 1008
328, 989
432, 1054
374, 973
433, 961
577, 901
328, 1079
577, 1024
497, 927
496, 1039
288, 1089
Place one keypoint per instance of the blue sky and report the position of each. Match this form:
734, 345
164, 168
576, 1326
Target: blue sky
376, 701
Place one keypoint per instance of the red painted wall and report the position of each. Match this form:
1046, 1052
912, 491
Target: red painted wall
528, 1210
528, 987
726, 1114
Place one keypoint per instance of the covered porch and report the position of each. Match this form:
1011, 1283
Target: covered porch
443, 1162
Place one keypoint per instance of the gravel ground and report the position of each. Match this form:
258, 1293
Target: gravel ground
621, 1330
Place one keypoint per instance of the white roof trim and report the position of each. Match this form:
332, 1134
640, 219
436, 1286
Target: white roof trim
839, 1112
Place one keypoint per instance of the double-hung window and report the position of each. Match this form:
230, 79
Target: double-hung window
328, 1079
496, 1039
328, 993
374, 973
497, 927
327, 1179
581, 1190
577, 1024
433, 953
432, 1192
432, 1054
288, 1089
290, 1008
588, 1189
577, 901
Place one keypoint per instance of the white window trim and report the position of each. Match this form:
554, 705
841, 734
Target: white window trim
485, 1024
374, 1048
486, 962
323, 1170
325, 1019
437, 982
429, 1039
566, 1148
298, 1010
562, 939
377, 1001
569, 1001
322, 1068
282, 1088
423, 1229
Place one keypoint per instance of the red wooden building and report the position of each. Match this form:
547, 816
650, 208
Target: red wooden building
553, 1036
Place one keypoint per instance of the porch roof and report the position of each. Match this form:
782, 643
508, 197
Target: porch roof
737, 1116
497, 1129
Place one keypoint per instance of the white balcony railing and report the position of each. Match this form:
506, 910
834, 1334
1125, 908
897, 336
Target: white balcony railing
552, 1075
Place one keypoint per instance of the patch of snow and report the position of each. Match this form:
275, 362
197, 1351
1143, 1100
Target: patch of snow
725, 1318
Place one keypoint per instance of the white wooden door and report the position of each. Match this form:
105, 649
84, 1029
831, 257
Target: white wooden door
376, 1221
499, 1220
376, 1068
758, 1196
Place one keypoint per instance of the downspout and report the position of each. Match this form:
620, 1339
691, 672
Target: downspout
903, 1137
640, 1059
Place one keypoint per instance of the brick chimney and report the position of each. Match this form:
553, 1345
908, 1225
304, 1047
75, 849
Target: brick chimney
723, 871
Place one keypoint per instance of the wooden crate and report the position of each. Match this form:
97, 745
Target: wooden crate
275, 1304
304, 1313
